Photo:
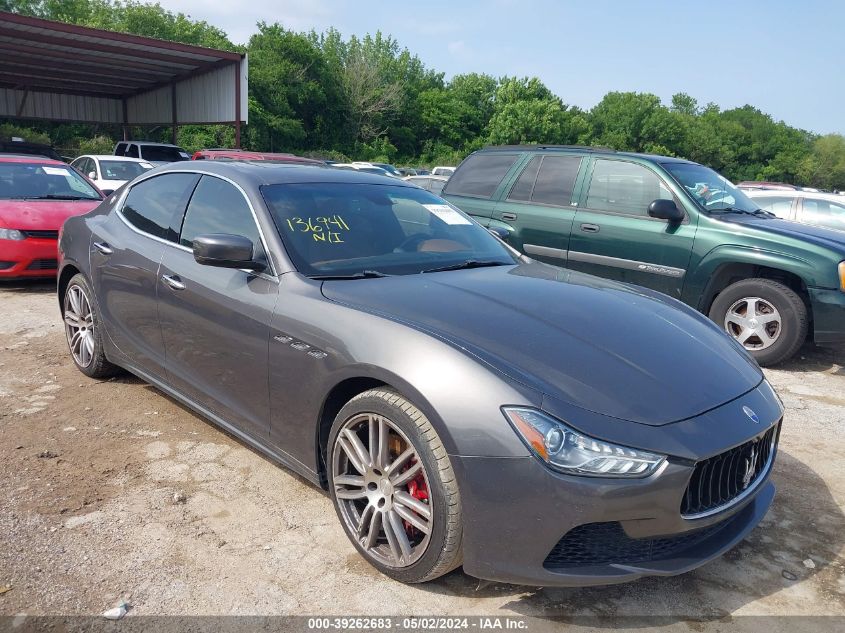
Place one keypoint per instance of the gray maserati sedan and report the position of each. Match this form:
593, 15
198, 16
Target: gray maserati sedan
461, 403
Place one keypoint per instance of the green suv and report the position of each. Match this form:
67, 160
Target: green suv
667, 224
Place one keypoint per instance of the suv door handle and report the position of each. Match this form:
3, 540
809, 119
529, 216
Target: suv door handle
104, 248
173, 281
508, 216
590, 228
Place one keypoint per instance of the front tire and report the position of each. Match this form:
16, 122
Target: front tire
393, 487
766, 317
84, 330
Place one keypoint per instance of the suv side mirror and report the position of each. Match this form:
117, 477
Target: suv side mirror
92, 175
499, 231
665, 210
225, 251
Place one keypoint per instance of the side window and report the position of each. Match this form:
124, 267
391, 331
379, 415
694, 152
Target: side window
556, 180
218, 207
824, 212
154, 204
120, 149
480, 174
781, 207
132, 151
627, 188
525, 183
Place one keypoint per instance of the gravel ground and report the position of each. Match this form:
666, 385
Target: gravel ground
111, 491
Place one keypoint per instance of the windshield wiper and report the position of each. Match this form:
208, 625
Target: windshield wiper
364, 274
760, 213
470, 263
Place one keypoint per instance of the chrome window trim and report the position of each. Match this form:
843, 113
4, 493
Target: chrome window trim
748, 491
272, 276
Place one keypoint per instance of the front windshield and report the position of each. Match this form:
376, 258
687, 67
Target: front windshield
710, 190
122, 169
356, 228
34, 181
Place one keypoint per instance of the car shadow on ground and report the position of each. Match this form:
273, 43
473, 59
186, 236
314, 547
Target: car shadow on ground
34, 286
804, 524
812, 358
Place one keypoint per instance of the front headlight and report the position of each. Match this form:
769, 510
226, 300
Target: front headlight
11, 234
842, 276
574, 453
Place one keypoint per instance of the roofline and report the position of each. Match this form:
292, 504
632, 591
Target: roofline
595, 148
29, 158
126, 38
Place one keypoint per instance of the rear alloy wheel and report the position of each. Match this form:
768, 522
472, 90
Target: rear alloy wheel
393, 487
82, 328
766, 317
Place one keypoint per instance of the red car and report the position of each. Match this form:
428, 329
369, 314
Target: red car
239, 154
36, 196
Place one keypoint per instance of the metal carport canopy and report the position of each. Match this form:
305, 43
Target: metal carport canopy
63, 72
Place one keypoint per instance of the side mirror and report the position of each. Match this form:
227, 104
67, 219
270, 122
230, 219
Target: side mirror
665, 210
499, 231
225, 251
92, 175
107, 192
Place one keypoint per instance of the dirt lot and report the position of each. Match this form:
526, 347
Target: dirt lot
88, 473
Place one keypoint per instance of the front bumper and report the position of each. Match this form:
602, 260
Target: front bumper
526, 524
32, 257
828, 315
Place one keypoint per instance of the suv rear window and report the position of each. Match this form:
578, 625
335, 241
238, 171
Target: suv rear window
480, 175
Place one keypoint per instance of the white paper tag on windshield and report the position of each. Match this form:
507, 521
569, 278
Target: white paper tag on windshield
447, 214
54, 171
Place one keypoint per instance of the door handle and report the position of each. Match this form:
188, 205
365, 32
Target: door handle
173, 281
104, 248
590, 228
508, 216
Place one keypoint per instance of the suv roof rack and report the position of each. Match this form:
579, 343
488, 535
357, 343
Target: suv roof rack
595, 148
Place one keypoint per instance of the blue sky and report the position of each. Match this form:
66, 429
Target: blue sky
785, 57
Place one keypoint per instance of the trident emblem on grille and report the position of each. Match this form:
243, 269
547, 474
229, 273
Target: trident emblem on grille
750, 467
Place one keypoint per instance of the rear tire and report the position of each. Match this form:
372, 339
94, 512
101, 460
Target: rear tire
364, 493
766, 317
84, 330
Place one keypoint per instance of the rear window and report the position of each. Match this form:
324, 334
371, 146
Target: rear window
480, 174
32, 181
163, 154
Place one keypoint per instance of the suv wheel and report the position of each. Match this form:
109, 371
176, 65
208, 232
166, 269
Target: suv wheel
764, 316
393, 487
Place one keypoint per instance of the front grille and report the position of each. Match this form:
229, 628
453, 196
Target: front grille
43, 264
720, 480
607, 544
6, 265
44, 235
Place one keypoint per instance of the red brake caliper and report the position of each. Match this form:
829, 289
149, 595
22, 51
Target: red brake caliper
418, 490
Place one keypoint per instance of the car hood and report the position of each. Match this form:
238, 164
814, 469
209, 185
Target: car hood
45, 215
828, 238
614, 349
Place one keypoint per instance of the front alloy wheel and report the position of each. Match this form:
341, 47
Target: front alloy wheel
382, 490
393, 487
